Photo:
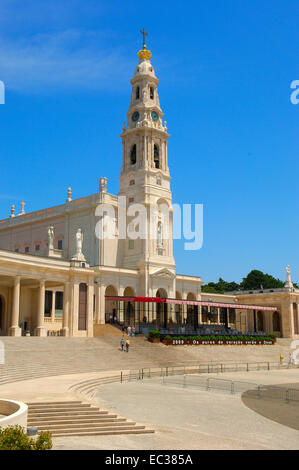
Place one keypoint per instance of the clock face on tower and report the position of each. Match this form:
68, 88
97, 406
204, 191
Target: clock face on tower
135, 116
155, 116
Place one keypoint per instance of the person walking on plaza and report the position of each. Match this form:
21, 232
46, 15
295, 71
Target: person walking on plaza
129, 330
127, 344
122, 343
291, 360
133, 331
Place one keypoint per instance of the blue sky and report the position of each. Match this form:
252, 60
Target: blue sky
225, 69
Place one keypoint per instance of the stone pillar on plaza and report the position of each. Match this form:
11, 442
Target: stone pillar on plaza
40, 329
14, 329
66, 308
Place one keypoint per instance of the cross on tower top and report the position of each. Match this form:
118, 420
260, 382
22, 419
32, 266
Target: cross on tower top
144, 33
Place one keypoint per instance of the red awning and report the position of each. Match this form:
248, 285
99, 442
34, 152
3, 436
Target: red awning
149, 299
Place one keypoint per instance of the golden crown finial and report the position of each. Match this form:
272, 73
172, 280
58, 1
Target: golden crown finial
144, 53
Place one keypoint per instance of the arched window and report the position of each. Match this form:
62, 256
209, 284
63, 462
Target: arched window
276, 321
133, 155
151, 93
232, 315
156, 156
82, 317
260, 321
137, 93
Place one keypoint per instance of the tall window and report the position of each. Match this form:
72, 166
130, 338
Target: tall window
48, 303
59, 245
151, 93
82, 317
137, 93
276, 321
232, 315
133, 155
59, 300
156, 156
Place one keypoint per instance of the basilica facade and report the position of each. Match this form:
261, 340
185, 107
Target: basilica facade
59, 274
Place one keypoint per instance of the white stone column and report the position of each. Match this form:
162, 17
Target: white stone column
14, 329
90, 292
40, 328
97, 291
200, 314
66, 308
102, 305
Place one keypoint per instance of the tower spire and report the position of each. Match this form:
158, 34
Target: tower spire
144, 33
144, 53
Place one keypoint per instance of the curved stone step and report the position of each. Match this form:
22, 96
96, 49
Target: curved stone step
105, 433
77, 420
97, 429
85, 426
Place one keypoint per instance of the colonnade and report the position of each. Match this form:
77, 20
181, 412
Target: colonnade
73, 308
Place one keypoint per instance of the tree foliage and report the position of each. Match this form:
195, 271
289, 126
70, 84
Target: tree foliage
15, 438
255, 280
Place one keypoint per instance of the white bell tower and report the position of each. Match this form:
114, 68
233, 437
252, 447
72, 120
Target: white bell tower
145, 175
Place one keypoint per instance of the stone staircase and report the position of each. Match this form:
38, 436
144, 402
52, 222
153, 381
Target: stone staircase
35, 357
74, 418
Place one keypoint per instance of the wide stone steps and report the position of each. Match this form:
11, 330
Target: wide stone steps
74, 418
78, 420
55, 414
84, 426
108, 432
35, 357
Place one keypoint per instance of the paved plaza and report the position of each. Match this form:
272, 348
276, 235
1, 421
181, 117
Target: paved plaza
182, 418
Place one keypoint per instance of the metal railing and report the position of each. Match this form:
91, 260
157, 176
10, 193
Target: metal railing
210, 383
248, 389
195, 377
208, 368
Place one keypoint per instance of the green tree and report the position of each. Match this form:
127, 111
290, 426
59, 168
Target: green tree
255, 279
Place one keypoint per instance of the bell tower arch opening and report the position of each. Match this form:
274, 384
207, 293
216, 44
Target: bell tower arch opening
133, 154
156, 156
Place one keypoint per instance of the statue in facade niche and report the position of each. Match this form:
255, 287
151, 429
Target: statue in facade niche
51, 238
160, 236
79, 256
79, 242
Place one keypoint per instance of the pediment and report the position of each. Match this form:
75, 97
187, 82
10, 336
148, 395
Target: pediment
163, 273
